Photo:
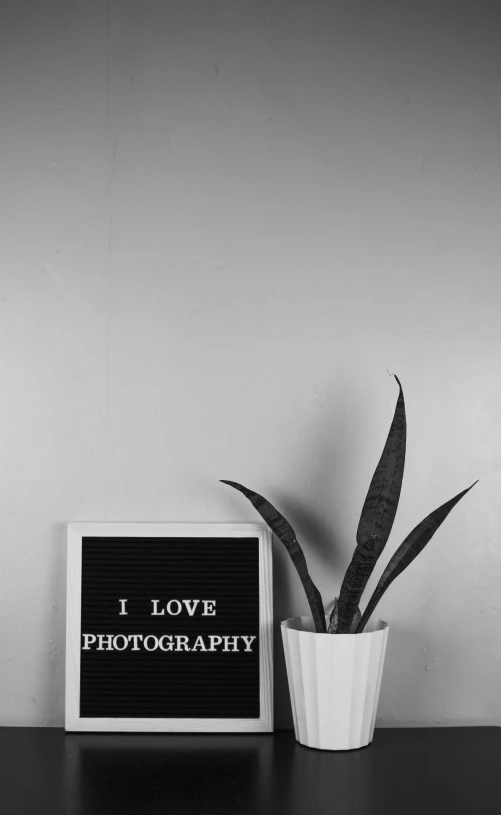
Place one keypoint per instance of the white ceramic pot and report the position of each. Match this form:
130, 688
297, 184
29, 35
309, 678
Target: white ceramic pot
334, 682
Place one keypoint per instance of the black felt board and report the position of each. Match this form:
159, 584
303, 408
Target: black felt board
176, 684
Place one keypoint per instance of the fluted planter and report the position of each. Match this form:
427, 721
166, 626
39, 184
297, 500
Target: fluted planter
334, 683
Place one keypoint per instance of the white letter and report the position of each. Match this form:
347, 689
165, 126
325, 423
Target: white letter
155, 611
88, 638
179, 643
109, 641
214, 640
169, 639
179, 608
135, 638
200, 644
122, 603
247, 641
191, 608
150, 637
208, 608
234, 643
125, 642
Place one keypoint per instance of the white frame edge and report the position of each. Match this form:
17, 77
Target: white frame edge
73, 720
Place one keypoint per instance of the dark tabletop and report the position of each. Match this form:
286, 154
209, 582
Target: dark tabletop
404, 771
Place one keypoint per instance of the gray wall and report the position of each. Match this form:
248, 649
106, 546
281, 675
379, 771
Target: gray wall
223, 223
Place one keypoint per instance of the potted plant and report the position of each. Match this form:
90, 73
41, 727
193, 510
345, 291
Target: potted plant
334, 681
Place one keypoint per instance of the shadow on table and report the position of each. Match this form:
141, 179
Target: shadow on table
151, 774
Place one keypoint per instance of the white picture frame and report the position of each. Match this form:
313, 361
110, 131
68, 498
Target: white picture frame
75, 534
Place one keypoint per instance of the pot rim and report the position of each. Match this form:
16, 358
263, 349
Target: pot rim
378, 626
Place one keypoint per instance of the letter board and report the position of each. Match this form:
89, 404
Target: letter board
169, 627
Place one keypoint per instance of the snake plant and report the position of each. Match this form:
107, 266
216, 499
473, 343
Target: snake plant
376, 521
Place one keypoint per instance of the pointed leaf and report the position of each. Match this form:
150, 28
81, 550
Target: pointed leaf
334, 618
284, 531
407, 551
378, 514
380, 506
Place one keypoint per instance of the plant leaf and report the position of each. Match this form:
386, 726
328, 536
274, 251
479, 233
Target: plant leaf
354, 582
334, 620
354, 623
407, 551
285, 533
376, 519
381, 502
